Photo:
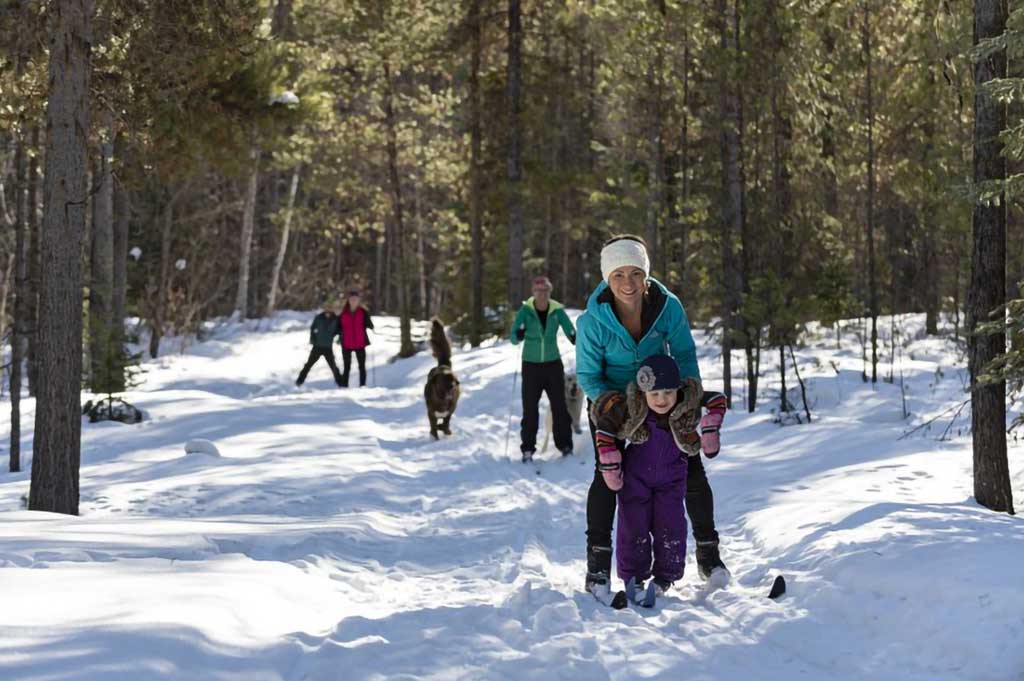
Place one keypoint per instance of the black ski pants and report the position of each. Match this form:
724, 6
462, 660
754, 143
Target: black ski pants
315, 354
346, 356
700, 503
539, 378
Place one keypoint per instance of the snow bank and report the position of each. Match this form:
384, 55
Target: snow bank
339, 541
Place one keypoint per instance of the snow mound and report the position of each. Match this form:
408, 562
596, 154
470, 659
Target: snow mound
200, 446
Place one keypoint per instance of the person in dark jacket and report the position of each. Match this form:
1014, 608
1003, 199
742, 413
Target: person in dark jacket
321, 336
355, 321
536, 324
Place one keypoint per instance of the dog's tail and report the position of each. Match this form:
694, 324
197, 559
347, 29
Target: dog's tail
439, 343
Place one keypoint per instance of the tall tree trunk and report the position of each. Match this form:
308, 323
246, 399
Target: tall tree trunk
32, 294
379, 290
988, 271
406, 348
869, 101
275, 276
783, 396
281, 23
828, 132
20, 303
932, 303
122, 221
655, 183
101, 280
732, 188
932, 235
159, 314
245, 249
685, 210
57, 445
476, 274
514, 200
421, 255
782, 191
7, 291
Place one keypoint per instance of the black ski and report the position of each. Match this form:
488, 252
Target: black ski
616, 601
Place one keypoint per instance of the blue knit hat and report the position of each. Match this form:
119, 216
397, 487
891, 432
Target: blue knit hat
658, 372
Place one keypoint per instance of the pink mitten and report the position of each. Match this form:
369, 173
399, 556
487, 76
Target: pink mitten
610, 460
710, 424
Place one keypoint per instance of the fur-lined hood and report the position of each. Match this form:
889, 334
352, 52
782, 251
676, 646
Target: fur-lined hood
682, 420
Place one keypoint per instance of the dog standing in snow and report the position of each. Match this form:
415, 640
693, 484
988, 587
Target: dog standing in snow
442, 390
573, 402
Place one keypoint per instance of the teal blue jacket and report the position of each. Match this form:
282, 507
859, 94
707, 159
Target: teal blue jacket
607, 357
541, 342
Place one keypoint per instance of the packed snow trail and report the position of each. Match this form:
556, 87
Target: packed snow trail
332, 539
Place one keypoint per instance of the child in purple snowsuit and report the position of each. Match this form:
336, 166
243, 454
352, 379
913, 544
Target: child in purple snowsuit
659, 416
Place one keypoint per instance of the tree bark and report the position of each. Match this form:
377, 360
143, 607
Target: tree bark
732, 189
421, 258
281, 23
245, 249
20, 302
476, 272
988, 272
101, 280
869, 101
685, 211
828, 132
275, 276
514, 161
783, 396
379, 289
932, 237
159, 315
406, 348
122, 221
32, 294
57, 445
655, 180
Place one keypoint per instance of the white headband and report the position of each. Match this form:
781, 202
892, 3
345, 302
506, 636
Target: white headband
624, 253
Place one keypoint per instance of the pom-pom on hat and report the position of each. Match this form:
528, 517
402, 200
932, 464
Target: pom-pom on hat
658, 372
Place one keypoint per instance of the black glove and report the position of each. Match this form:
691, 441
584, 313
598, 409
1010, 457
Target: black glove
521, 333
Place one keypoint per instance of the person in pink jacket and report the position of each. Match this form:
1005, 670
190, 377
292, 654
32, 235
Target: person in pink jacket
355, 322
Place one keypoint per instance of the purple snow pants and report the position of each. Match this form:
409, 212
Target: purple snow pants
652, 516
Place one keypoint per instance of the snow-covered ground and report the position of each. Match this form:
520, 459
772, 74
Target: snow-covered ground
332, 539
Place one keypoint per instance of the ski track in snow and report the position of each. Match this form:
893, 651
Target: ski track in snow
334, 540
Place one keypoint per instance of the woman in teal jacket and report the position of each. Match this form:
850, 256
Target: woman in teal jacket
629, 317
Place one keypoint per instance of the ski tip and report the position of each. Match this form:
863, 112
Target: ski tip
619, 601
778, 588
650, 596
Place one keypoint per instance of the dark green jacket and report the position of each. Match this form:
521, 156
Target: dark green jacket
542, 341
323, 330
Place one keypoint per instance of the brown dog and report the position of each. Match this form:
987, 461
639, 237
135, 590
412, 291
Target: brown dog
442, 389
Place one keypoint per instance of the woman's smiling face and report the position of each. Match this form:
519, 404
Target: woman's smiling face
628, 284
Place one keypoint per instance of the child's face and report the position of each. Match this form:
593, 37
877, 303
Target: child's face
661, 401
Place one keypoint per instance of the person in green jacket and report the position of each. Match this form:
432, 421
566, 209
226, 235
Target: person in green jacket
536, 325
322, 331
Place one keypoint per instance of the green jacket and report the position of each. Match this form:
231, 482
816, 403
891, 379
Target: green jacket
541, 341
323, 330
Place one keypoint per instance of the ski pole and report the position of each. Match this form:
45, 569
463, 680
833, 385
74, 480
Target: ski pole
373, 364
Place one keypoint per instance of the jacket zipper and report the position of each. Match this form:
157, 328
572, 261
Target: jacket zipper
542, 329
